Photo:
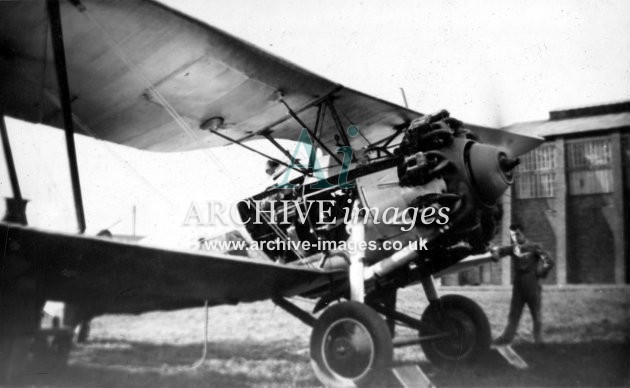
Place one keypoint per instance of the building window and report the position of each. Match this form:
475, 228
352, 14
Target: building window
589, 166
535, 176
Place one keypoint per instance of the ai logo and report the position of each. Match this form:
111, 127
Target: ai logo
314, 165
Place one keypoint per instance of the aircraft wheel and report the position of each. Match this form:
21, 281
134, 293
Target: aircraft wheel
467, 326
350, 345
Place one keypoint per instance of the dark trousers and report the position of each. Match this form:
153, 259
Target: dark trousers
526, 291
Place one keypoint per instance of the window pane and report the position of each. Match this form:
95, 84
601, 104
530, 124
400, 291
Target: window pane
589, 153
589, 163
590, 181
535, 176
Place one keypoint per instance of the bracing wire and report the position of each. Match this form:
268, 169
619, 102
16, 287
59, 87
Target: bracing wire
85, 128
160, 99
172, 112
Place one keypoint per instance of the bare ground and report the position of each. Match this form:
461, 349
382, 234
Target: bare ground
259, 345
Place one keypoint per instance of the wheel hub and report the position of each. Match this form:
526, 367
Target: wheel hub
342, 348
348, 348
461, 336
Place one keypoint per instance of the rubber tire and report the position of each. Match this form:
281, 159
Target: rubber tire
466, 312
376, 328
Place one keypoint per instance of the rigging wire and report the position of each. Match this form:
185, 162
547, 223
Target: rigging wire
85, 128
160, 99
174, 114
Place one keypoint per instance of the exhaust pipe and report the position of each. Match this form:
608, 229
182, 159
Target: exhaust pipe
395, 261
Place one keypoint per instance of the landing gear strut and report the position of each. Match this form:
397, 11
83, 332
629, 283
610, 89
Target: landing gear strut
453, 328
351, 344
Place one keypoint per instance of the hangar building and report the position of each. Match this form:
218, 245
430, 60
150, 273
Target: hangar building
572, 195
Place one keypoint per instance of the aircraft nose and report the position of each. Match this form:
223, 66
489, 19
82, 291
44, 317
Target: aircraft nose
491, 171
507, 164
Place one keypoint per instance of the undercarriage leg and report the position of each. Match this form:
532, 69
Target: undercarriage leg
357, 267
429, 289
390, 303
294, 310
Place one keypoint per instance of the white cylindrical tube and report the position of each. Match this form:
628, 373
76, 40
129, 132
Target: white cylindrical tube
357, 283
385, 266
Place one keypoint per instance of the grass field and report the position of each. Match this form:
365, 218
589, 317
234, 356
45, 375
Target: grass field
258, 344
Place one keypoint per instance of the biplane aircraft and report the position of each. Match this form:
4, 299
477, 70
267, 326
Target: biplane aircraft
138, 73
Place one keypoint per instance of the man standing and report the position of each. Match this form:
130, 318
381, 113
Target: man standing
529, 263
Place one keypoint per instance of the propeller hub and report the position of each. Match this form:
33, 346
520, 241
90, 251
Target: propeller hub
491, 171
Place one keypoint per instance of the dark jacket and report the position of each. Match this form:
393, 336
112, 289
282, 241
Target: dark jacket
525, 257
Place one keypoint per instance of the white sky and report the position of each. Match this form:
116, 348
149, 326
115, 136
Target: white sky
487, 62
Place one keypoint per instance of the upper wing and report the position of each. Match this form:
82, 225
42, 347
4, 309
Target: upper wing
131, 61
109, 276
121, 54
